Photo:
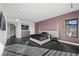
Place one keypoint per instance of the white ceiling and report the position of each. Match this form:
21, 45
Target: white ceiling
36, 12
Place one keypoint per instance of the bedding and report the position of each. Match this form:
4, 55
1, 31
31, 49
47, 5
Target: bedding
39, 37
45, 37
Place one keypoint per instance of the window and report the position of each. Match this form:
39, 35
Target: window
71, 27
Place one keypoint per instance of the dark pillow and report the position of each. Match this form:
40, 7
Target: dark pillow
45, 33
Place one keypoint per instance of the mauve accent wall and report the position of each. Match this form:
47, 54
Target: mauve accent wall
51, 25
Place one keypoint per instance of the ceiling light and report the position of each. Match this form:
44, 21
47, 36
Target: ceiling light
17, 19
59, 10
21, 10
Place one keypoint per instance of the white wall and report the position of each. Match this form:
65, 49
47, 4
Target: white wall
18, 29
3, 37
3, 34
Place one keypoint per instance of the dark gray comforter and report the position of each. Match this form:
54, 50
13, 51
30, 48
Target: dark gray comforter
39, 37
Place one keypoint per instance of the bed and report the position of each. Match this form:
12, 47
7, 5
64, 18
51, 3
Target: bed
50, 34
40, 38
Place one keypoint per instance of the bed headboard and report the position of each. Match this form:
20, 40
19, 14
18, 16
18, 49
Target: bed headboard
53, 33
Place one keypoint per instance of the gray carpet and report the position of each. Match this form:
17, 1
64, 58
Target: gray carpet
24, 50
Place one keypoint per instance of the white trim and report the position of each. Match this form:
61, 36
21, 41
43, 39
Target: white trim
11, 34
40, 42
68, 42
25, 30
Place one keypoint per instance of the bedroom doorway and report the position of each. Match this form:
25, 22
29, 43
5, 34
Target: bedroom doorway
11, 33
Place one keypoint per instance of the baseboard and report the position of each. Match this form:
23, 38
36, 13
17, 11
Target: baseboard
68, 42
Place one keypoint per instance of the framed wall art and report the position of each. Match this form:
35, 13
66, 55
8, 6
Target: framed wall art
71, 27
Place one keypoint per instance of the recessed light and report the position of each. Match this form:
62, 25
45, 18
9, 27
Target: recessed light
17, 19
59, 10
21, 10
